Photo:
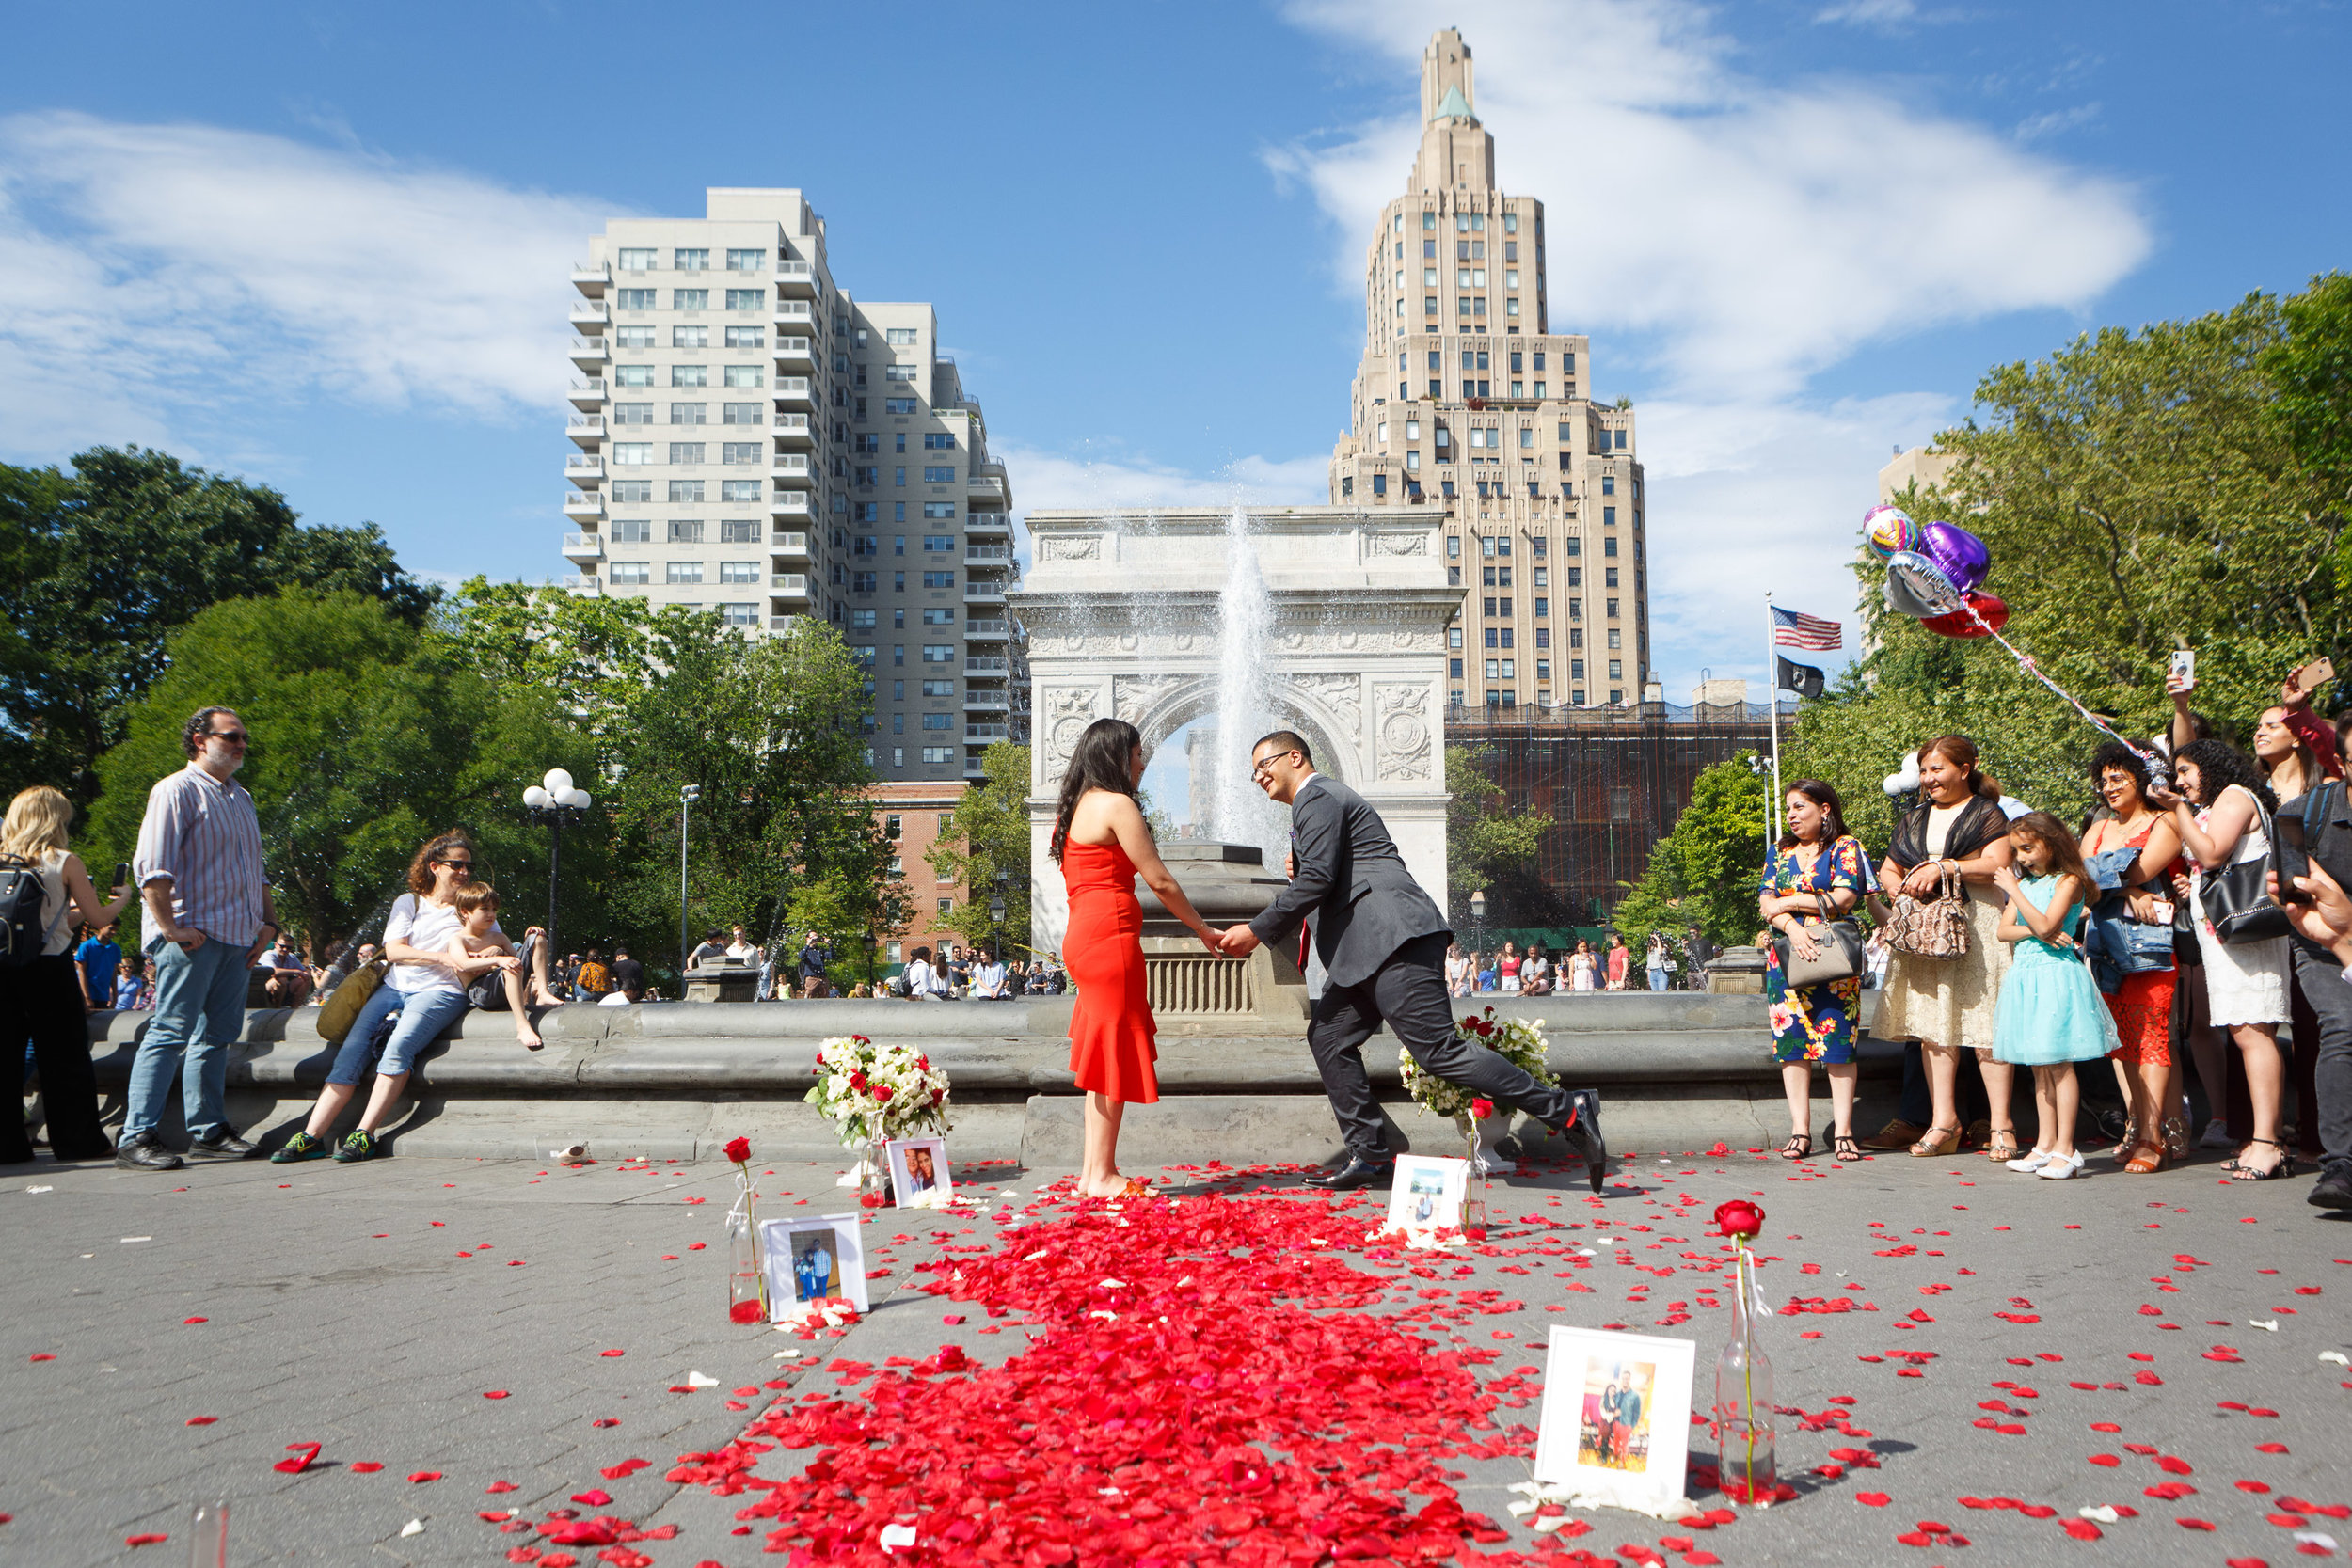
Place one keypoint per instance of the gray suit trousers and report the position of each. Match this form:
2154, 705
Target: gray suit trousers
1408, 991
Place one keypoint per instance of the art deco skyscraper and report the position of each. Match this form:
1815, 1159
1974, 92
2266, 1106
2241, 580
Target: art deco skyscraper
1466, 397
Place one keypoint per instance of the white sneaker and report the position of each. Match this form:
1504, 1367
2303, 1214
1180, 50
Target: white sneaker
2032, 1160
2216, 1135
2058, 1167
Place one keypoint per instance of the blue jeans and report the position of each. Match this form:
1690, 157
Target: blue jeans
199, 1012
1657, 979
423, 1017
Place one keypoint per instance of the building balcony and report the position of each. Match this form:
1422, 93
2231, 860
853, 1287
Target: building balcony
984, 631
987, 484
988, 525
580, 504
796, 280
588, 393
793, 468
984, 665
584, 470
789, 549
586, 430
794, 313
590, 317
795, 355
793, 506
794, 392
791, 589
590, 277
984, 592
582, 583
991, 701
590, 354
978, 554
583, 547
987, 732
793, 430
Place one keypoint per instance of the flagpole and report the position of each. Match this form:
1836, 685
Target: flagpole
1772, 695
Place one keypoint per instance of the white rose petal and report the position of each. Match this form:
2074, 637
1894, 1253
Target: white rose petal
2104, 1515
2272, 1326
414, 1527
697, 1379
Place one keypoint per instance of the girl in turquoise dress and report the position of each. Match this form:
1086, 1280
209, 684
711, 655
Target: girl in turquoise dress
2050, 1015
1819, 860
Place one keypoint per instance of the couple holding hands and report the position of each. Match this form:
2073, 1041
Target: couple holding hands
1381, 938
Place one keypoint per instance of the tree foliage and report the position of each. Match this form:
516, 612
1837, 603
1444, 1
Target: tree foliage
1704, 872
1491, 847
98, 567
2138, 492
986, 837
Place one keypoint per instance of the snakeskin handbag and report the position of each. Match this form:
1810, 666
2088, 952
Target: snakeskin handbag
1932, 927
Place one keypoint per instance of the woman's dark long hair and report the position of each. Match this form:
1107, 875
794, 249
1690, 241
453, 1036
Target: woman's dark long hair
1099, 761
2218, 765
1820, 793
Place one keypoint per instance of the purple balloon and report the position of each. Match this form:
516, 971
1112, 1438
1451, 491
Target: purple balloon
1959, 553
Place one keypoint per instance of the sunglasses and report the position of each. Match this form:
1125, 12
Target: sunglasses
234, 737
457, 866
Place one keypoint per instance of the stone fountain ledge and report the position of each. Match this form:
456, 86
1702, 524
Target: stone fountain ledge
677, 1080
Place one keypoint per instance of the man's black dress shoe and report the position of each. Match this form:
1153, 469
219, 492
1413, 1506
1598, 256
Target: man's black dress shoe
227, 1146
2333, 1190
1357, 1172
1583, 1132
144, 1153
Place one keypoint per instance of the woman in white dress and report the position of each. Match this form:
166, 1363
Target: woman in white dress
1461, 971
2219, 810
1580, 968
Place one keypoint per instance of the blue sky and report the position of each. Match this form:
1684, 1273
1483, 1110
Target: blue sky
323, 246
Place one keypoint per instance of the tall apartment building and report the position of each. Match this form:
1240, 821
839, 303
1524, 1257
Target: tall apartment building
1465, 395
754, 442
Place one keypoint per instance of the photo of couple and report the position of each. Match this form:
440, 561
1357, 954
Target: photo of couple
1614, 1433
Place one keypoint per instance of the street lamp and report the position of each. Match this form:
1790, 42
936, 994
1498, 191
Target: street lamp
554, 801
1478, 933
687, 795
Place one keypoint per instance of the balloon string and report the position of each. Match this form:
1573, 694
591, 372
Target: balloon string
2025, 664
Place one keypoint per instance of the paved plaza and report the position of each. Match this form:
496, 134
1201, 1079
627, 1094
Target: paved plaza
470, 1338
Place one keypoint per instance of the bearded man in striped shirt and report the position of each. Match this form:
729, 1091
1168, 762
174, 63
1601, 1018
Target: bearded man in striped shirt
198, 867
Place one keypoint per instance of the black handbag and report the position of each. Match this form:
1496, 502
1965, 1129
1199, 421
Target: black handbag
2236, 898
1837, 956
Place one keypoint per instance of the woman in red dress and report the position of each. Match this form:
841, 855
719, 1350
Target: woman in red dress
1102, 843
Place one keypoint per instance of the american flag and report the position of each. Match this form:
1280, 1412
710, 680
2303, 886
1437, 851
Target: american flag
1791, 629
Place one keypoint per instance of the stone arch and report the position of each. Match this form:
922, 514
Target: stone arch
1177, 701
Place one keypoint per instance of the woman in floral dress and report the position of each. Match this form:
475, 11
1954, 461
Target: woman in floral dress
1818, 862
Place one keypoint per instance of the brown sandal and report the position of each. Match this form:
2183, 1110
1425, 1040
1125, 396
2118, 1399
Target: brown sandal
2147, 1159
2000, 1143
1930, 1146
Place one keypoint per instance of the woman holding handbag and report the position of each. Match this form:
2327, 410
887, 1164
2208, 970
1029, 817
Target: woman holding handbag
1944, 983
2222, 812
1812, 883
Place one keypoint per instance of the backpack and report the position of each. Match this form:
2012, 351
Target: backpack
23, 931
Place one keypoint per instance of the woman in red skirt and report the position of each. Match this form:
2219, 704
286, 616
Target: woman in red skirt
1102, 843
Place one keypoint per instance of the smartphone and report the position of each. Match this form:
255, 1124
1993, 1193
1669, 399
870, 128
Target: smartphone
122, 875
2291, 837
2183, 676
2318, 674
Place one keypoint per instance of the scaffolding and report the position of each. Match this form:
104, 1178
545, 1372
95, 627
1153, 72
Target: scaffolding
1612, 781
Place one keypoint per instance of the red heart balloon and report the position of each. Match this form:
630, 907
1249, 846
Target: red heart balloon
1993, 613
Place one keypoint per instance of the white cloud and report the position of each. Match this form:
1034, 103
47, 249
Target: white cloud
1044, 481
1871, 13
1755, 232
160, 271
2056, 120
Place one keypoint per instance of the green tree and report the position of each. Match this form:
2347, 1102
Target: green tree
1491, 846
2311, 370
1704, 872
987, 837
2138, 491
99, 566
366, 742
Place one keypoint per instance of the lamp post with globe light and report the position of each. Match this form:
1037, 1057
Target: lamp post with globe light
554, 800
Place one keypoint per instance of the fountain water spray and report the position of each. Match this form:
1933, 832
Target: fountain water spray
1244, 700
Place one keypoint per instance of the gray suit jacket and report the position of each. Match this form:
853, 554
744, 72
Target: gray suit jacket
1352, 882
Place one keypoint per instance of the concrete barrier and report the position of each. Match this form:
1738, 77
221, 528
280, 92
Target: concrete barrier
676, 1079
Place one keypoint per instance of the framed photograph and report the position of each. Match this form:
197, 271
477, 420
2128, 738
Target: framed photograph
918, 1173
1428, 1193
813, 1259
1616, 1417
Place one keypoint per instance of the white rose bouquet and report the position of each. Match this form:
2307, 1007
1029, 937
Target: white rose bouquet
872, 1092
1519, 1040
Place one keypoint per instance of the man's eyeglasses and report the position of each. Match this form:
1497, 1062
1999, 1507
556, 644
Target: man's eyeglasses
1265, 764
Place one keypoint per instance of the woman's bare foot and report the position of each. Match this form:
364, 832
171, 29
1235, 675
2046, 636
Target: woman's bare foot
528, 1036
1112, 1185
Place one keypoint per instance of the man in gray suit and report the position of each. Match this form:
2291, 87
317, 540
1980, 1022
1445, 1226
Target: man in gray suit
1383, 943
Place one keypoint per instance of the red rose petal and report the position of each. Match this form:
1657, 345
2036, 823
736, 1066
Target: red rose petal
2083, 1529
493, 1393
596, 1496
1872, 1499
148, 1540
612, 1352
202, 1420
367, 1466
195, 1319
498, 1486
2270, 1448
2105, 1459
421, 1476
41, 1356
